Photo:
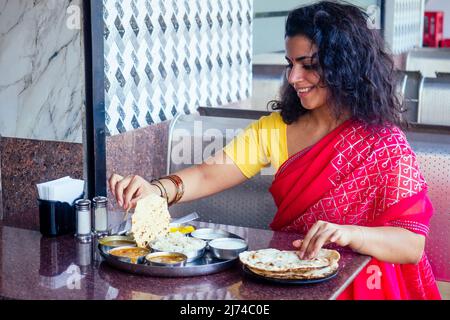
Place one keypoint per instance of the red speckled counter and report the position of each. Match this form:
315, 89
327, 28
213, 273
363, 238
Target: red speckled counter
35, 267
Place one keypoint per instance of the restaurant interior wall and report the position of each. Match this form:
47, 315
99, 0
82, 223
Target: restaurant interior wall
41, 98
168, 57
164, 58
269, 19
403, 25
42, 70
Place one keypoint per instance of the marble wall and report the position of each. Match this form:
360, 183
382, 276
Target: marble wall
42, 72
42, 100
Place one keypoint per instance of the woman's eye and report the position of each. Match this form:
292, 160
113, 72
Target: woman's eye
310, 66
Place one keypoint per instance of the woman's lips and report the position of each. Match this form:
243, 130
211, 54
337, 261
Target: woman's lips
303, 92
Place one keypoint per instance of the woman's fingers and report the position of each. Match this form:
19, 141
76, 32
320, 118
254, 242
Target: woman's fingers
128, 190
317, 243
119, 189
137, 196
112, 181
305, 243
131, 191
336, 236
297, 243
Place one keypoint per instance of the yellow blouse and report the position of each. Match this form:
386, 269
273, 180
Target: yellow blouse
262, 143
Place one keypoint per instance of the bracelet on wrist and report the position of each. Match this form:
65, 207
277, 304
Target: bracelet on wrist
179, 186
161, 193
160, 186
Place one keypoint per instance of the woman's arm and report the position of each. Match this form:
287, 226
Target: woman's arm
389, 244
216, 174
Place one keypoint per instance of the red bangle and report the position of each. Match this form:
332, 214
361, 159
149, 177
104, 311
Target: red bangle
179, 185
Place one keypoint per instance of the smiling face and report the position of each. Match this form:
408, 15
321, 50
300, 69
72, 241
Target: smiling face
302, 72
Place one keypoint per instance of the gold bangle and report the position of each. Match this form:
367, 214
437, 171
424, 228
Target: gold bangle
160, 190
175, 197
160, 186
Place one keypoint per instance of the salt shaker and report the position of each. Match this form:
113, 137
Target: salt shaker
100, 216
84, 256
83, 215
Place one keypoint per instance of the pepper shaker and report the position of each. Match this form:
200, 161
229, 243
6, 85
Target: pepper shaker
100, 216
83, 215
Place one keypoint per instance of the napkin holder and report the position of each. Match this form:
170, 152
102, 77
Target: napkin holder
56, 218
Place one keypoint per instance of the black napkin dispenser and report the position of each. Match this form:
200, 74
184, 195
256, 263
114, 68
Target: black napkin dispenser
56, 218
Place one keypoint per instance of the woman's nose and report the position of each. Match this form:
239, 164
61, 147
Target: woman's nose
294, 74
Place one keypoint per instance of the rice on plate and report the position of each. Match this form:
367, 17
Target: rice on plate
178, 242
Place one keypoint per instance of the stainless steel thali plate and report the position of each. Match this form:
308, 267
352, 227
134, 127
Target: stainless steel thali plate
207, 264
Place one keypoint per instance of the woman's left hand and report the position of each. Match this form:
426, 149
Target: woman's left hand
322, 233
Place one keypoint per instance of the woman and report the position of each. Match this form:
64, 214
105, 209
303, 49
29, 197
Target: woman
346, 174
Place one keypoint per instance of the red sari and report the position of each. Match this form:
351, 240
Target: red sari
360, 175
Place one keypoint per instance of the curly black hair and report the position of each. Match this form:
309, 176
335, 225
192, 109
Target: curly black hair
353, 64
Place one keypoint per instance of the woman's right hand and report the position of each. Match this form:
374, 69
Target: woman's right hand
127, 191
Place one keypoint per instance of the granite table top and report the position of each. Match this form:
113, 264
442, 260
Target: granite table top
36, 267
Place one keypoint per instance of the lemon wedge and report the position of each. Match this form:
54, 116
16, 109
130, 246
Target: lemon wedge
182, 229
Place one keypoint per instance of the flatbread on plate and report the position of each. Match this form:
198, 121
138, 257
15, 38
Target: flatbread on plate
278, 264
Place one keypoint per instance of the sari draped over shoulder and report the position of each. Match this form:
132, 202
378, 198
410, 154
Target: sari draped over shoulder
360, 175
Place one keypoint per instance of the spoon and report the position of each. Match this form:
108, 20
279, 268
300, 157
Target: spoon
187, 218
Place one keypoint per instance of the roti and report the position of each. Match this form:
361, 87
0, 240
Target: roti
150, 220
298, 275
278, 264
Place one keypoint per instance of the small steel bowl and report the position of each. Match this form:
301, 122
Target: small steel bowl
111, 242
227, 248
166, 259
139, 260
194, 255
208, 234
191, 255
